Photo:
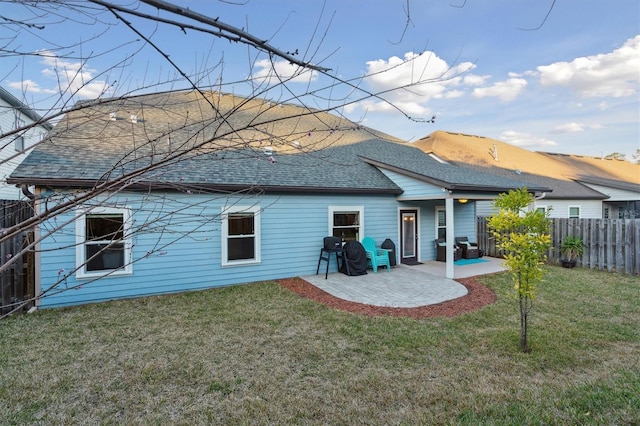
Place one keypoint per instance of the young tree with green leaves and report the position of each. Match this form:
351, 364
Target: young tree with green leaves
524, 237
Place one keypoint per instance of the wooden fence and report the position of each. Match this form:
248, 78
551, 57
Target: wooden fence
17, 281
610, 244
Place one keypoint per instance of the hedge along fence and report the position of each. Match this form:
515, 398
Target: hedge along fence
609, 244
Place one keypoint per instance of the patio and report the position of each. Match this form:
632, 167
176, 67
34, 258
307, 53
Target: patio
405, 286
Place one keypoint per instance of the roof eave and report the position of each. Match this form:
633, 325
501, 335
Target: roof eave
197, 187
448, 185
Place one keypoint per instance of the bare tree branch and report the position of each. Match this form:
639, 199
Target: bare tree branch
225, 31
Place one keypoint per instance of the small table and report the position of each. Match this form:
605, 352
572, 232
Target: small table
325, 254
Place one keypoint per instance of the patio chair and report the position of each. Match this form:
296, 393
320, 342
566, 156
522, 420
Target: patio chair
469, 250
441, 250
376, 257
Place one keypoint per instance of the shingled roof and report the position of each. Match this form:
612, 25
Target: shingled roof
563, 173
218, 141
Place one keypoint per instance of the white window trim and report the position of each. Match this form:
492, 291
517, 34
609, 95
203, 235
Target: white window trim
81, 265
437, 227
226, 211
19, 144
574, 207
544, 207
338, 209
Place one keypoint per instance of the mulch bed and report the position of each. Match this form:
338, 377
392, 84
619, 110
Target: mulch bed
477, 297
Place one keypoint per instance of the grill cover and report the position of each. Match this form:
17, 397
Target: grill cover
356, 257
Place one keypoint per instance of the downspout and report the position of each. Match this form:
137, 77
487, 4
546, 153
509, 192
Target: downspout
25, 191
538, 198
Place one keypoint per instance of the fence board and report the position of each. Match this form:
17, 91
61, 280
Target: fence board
610, 244
17, 281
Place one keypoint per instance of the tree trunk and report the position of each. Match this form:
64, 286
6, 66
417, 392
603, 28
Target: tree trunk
524, 313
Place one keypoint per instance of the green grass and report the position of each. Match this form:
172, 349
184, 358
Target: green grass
259, 354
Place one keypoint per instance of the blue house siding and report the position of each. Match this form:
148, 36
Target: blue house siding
413, 187
464, 224
171, 255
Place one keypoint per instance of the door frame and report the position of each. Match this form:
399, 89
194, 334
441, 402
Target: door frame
415, 257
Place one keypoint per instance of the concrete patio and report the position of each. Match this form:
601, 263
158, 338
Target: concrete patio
405, 286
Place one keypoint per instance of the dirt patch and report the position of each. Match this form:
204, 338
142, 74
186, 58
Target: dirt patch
477, 297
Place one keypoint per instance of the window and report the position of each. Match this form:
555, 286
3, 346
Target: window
240, 235
19, 140
346, 222
441, 222
19, 143
574, 212
542, 209
103, 242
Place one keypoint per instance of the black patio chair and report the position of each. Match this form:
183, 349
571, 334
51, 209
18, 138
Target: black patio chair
441, 250
469, 250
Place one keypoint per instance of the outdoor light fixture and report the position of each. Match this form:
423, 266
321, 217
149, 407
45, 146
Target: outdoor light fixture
463, 201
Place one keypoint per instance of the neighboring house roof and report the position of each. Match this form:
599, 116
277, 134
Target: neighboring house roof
23, 108
608, 172
564, 174
279, 148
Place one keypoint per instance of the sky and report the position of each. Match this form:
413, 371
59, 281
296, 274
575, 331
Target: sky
544, 75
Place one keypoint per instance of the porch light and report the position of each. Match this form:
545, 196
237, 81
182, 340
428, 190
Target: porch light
463, 201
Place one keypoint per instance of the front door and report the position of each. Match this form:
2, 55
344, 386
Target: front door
408, 236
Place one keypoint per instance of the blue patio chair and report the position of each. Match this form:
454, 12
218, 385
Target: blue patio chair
375, 256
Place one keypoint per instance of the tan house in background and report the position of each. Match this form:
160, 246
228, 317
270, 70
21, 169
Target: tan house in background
583, 187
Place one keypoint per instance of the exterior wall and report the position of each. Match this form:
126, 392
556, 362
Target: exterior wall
464, 224
414, 187
464, 214
183, 258
589, 209
485, 208
181, 251
616, 194
8, 115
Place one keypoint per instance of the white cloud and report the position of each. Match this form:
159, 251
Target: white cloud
425, 74
525, 140
570, 127
612, 74
70, 79
474, 80
574, 127
506, 90
451, 94
409, 83
270, 73
73, 78
30, 86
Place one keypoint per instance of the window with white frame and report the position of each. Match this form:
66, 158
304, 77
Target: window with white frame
441, 222
241, 235
19, 143
103, 242
542, 209
19, 140
574, 212
346, 222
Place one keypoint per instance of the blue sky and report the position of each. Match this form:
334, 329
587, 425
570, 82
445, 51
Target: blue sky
571, 86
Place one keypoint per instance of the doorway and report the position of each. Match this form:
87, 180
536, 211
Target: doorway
409, 237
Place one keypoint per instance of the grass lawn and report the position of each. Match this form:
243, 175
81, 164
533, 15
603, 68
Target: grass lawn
259, 354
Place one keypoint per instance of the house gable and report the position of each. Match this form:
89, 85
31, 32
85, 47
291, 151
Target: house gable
14, 114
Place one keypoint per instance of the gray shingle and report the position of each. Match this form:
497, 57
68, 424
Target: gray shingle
220, 142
